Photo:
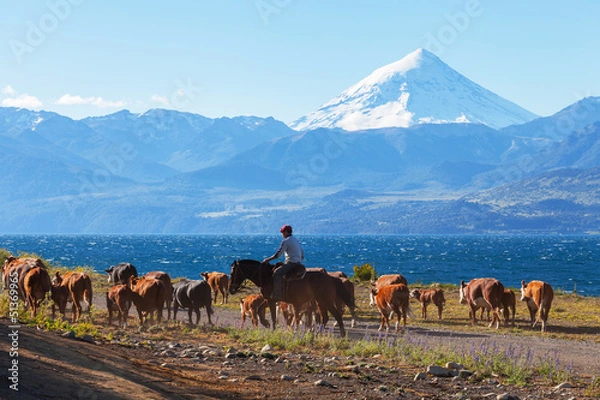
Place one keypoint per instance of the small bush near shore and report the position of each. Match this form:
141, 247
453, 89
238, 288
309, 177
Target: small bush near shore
364, 273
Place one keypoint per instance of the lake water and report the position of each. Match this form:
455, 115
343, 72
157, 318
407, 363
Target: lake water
566, 262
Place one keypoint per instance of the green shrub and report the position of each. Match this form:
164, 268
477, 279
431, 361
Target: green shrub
4, 254
365, 272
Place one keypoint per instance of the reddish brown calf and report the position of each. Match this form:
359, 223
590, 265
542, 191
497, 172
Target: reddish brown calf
166, 279
119, 300
508, 307
254, 306
427, 296
219, 283
75, 287
392, 298
36, 284
148, 295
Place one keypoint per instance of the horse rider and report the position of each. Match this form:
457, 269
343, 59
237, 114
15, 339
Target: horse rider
291, 248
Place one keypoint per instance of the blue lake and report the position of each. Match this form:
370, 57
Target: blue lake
566, 262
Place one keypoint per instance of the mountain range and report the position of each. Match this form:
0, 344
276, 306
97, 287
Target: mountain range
413, 148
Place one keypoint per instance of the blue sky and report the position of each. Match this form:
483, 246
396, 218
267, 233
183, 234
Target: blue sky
283, 58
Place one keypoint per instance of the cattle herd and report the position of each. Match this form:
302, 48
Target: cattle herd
151, 293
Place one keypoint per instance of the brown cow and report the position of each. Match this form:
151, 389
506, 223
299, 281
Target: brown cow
254, 306
287, 312
218, 282
392, 298
15, 269
339, 304
427, 296
36, 284
539, 296
292, 317
166, 279
384, 280
148, 295
75, 287
483, 292
119, 299
311, 309
508, 306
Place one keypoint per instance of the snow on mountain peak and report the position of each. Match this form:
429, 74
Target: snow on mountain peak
419, 88
402, 66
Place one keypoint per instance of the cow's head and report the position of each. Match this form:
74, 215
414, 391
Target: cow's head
524, 294
415, 294
204, 275
110, 273
7, 261
132, 282
373, 295
60, 296
57, 280
463, 292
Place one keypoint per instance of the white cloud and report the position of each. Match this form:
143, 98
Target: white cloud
159, 99
8, 90
22, 101
15, 99
67, 99
99, 102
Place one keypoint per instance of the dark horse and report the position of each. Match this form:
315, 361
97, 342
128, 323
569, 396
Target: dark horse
315, 285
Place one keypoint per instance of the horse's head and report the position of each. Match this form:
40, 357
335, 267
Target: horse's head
242, 270
235, 277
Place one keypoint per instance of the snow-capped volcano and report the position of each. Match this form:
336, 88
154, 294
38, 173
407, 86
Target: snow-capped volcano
420, 88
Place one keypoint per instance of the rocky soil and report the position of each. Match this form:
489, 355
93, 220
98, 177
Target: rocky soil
167, 363
54, 365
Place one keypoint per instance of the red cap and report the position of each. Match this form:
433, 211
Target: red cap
286, 228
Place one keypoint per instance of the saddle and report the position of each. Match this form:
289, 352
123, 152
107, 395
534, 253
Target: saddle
296, 274
299, 272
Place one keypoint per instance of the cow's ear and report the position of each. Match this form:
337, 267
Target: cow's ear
523, 284
462, 283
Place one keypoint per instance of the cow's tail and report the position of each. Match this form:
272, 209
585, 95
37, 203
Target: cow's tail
208, 302
88, 293
495, 298
542, 317
46, 283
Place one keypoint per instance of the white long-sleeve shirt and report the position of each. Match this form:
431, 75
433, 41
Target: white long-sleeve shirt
290, 246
